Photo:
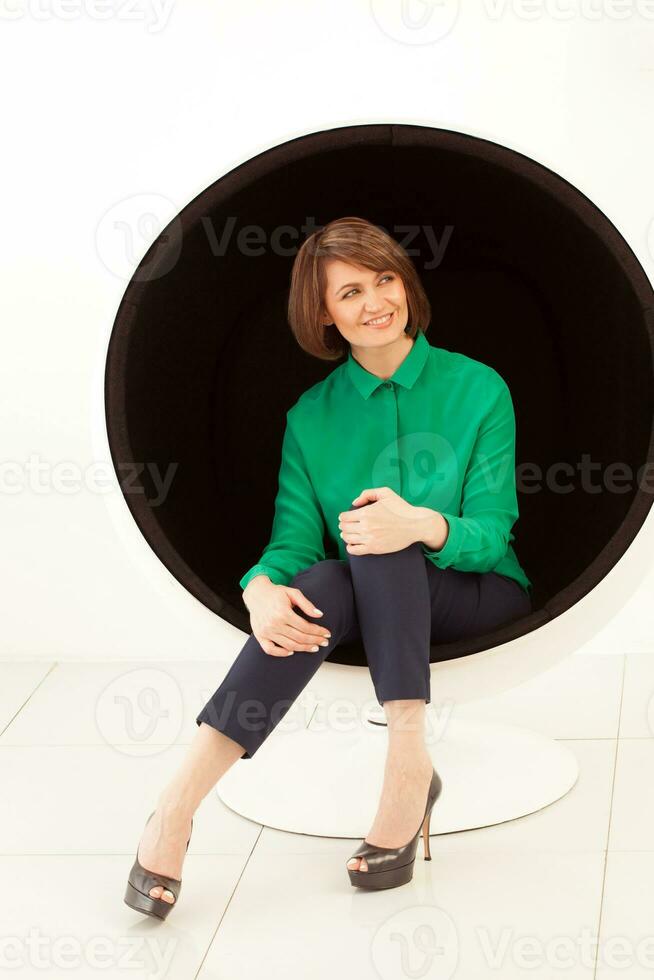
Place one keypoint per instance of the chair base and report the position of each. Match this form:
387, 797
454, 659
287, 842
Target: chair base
326, 782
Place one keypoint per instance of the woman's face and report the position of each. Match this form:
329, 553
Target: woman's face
356, 297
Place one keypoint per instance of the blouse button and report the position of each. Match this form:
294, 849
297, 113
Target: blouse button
388, 384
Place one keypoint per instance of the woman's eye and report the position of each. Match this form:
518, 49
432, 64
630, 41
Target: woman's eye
350, 291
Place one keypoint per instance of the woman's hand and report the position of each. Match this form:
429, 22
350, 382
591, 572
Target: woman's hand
388, 523
277, 627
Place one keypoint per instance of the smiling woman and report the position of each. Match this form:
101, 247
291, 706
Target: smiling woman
436, 429
549, 308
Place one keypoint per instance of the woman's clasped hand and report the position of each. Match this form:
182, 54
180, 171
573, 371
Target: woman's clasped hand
387, 523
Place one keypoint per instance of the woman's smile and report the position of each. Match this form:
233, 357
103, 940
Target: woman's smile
380, 321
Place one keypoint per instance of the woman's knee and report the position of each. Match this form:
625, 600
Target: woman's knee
328, 585
330, 573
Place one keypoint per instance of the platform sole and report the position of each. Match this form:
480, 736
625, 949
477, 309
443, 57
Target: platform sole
381, 879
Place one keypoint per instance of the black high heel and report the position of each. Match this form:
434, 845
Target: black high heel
389, 867
140, 881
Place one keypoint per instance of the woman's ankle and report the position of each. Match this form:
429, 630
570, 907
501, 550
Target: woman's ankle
409, 756
174, 811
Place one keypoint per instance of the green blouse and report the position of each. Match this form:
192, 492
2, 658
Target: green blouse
440, 432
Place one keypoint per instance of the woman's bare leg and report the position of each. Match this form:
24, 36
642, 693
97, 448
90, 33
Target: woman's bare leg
163, 844
407, 775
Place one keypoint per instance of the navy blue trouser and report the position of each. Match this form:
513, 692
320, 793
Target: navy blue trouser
398, 603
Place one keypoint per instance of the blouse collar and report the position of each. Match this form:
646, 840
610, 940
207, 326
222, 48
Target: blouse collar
406, 374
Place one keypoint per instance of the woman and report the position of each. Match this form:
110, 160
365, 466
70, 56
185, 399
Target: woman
421, 440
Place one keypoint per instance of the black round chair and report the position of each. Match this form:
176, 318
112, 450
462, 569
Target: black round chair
523, 273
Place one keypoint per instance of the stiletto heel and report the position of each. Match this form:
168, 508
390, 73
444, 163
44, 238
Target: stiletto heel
425, 836
389, 867
141, 880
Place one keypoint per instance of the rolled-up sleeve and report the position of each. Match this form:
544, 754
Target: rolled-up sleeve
298, 530
479, 536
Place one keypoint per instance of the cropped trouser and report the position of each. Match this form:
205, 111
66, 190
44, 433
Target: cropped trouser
397, 603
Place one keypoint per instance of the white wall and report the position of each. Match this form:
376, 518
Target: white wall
108, 119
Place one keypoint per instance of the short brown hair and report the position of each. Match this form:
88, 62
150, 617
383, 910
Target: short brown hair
362, 243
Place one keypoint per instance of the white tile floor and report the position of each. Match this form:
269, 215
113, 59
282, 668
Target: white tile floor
564, 892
